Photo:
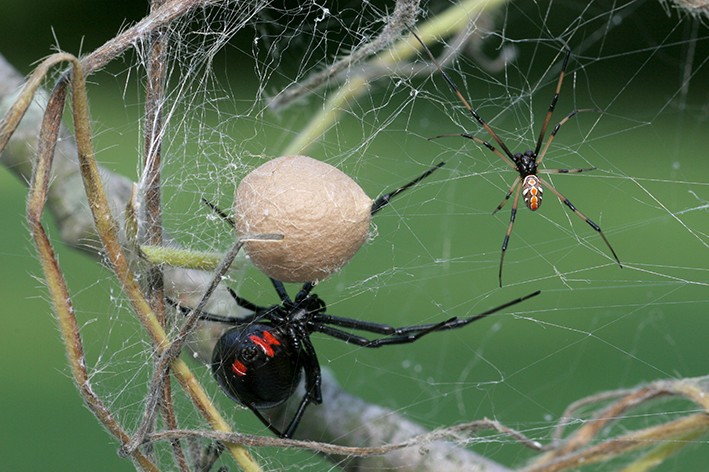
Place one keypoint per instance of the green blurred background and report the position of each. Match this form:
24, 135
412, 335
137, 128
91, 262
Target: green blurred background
595, 327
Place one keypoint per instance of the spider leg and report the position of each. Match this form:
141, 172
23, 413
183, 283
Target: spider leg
459, 323
405, 335
243, 303
553, 103
230, 320
259, 311
219, 212
484, 143
385, 199
283, 294
513, 213
364, 342
492, 148
564, 171
556, 129
267, 422
452, 85
304, 291
281, 290
573, 208
313, 381
507, 197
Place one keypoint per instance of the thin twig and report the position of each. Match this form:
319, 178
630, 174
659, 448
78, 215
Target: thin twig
152, 215
689, 426
459, 433
165, 15
570, 453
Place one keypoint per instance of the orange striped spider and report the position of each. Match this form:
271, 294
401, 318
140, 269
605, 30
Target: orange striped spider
528, 182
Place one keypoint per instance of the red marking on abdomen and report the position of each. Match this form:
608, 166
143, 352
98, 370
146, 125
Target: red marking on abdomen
266, 342
238, 368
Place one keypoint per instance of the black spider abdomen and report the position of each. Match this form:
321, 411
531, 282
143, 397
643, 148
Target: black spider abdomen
255, 366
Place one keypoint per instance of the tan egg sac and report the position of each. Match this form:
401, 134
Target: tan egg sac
323, 215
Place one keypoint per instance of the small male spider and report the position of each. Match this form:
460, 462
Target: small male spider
526, 163
259, 362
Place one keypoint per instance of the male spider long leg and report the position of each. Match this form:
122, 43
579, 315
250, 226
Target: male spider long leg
556, 129
553, 101
513, 213
564, 171
455, 89
478, 140
573, 208
385, 199
507, 197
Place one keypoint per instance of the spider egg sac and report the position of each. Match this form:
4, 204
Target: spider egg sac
322, 213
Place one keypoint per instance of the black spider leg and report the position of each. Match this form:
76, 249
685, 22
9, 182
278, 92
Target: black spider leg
385, 199
283, 294
266, 422
313, 378
403, 335
259, 311
219, 212
300, 335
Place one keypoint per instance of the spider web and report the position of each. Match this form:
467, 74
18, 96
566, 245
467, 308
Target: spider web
434, 253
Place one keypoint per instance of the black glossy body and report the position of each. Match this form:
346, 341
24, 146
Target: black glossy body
256, 366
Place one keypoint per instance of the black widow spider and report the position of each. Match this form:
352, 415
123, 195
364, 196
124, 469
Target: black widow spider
259, 362
527, 163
